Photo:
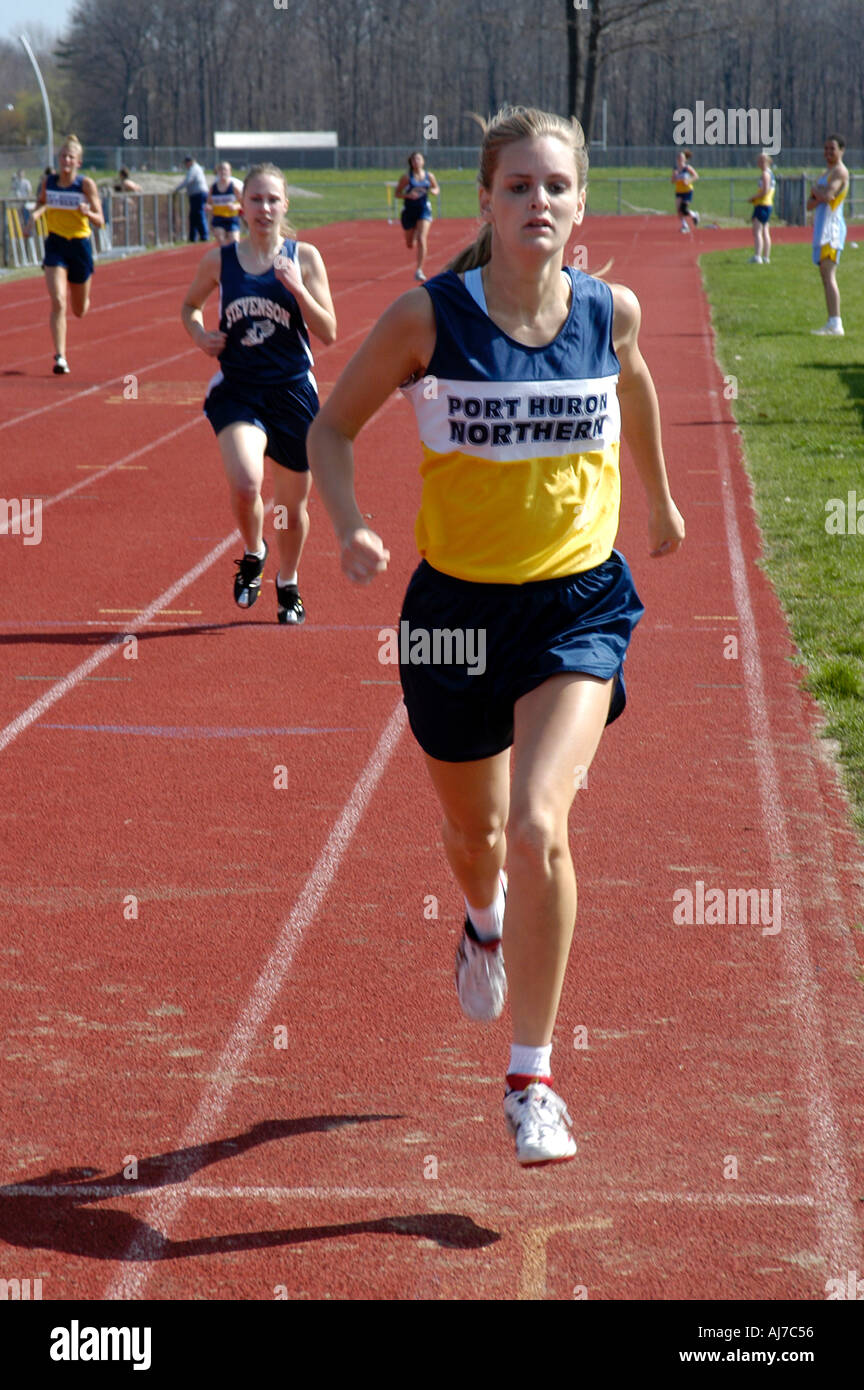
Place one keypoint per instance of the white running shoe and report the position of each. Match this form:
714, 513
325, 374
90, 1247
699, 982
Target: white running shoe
829, 330
418, 275
756, 260
481, 982
540, 1122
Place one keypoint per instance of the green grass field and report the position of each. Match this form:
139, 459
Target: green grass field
800, 408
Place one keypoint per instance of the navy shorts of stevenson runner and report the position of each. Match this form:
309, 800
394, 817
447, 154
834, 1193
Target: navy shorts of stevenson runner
266, 377
510, 638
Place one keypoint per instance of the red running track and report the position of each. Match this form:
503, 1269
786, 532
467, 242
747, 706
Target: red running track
156, 1141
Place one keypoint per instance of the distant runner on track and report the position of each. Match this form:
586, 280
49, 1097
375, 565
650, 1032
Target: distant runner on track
264, 397
515, 625
684, 176
415, 187
71, 207
223, 204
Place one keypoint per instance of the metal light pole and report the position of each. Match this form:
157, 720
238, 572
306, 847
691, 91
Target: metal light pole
32, 56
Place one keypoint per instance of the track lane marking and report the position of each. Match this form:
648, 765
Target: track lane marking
100, 386
837, 1219
76, 676
168, 1204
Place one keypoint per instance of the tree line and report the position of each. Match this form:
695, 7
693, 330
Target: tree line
375, 70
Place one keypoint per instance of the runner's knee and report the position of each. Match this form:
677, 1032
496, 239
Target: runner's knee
474, 839
246, 491
537, 835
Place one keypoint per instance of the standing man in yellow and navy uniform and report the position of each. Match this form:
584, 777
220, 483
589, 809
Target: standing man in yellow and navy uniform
826, 200
70, 204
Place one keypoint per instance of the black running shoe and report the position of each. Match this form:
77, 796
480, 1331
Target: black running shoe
247, 580
61, 366
290, 608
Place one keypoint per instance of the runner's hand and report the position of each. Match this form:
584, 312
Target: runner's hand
665, 529
288, 273
212, 343
363, 555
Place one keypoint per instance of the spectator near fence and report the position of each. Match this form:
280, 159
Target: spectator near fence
21, 187
195, 186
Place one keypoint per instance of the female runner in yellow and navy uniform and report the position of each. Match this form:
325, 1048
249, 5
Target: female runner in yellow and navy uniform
684, 176
71, 207
264, 397
763, 202
223, 204
529, 360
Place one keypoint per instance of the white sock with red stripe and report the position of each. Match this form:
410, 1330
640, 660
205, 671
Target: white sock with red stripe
529, 1064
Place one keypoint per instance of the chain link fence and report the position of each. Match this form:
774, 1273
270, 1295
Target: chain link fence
136, 221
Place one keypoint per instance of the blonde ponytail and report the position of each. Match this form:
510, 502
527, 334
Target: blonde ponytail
478, 253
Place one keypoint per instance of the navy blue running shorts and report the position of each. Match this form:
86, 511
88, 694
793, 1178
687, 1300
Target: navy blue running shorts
469, 651
761, 213
75, 252
284, 413
414, 211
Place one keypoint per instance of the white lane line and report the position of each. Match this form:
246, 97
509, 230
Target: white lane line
836, 1216
126, 332
168, 1203
75, 677
82, 1193
106, 308
100, 386
109, 468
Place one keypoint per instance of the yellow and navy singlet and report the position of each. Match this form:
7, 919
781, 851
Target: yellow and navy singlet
267, 339
766, 200
520, 444
223, 201
683, 179
64, 216
829, 224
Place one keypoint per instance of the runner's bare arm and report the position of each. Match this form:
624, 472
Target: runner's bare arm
205, 282
399, 347
312, 292
641, 412
91, 204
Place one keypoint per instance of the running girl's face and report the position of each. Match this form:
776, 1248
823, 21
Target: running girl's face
264, 202
69, 159
223, 172
832, 151
535, 199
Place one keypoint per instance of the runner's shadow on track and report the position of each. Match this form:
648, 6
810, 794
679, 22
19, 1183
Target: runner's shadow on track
62, 1218
98, 639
